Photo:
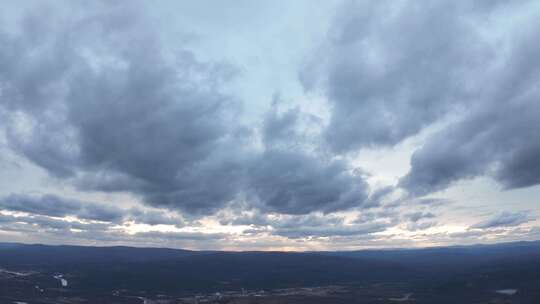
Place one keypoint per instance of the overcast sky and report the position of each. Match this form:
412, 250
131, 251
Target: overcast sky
269, 125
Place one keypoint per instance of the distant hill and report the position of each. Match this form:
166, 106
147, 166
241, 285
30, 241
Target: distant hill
453, 258
174, 270
20, 255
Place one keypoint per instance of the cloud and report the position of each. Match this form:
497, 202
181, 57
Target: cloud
298, 183
475, 234
197, 236
385, 214
103, 100
496, 136
39, 223
433, 201
389, 68
504, 219
415, 226
151, 217
392, 69
291, 129
113, 109
48, 229
417, 216
281, 128
253, 218
52, 205
292, 177
419, 220
332, 231
49, 205
498, 141
313, 225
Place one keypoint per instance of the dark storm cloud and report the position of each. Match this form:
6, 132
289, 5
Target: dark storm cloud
504, 219
391, 68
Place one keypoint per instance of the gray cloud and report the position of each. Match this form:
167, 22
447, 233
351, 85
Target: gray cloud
504, 219
253, 219
387, 214
37, 223
433, 202
298, 183
313, 225
499, 141
288, 177
153, 218
475, 234
113, 109
55, 206
388, 78
497, 135
285, 221
290, 129
197, 236
43, 228
100, 99
332, 231
280, 128
391, 68
52, 205
417, 216
378, 195
415, 226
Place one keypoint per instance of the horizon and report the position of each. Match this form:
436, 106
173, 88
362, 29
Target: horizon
269, 126
283, 251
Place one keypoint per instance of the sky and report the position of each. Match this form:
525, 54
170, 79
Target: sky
269, 125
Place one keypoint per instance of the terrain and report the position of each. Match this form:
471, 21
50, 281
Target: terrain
501, 273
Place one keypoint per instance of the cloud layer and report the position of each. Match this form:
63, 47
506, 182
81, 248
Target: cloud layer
391, 68
107, 102
114, 109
